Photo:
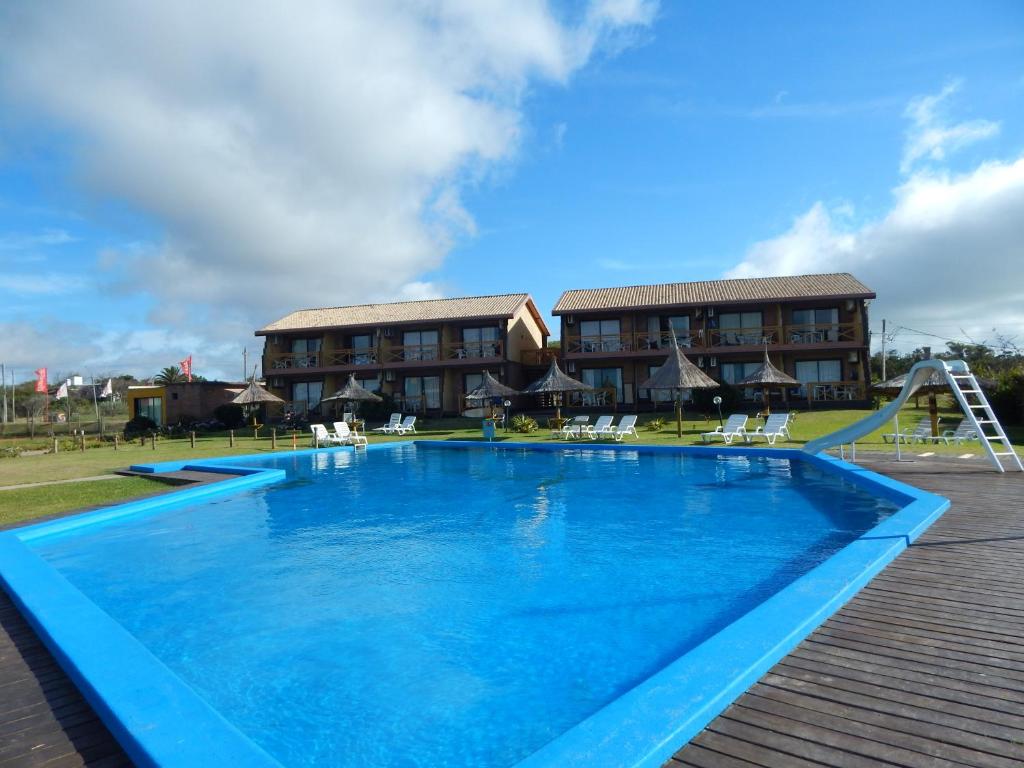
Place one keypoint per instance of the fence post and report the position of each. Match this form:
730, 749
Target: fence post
231, 438
152, 441
115, 442
192, 438
273, 439
82, 439
55, 448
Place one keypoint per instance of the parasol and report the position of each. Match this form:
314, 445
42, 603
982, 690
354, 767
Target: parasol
678, 373
254, 395
768, 377
353, 391
933, 385
554, 382
489, 389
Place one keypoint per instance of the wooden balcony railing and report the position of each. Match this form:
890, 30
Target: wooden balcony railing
360, 356
283, 360
832, 391
818, 333
629, 342
459, 350
754, 336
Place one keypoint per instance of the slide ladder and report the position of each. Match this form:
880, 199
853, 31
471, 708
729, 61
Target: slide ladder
968, 394
981, 416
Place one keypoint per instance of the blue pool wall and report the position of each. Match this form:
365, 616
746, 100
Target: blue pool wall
160, 721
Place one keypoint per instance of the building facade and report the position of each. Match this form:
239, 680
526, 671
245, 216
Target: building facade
425, 354
183, 402
815, 328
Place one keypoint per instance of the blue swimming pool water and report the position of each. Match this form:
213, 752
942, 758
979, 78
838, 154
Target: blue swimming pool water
433, 606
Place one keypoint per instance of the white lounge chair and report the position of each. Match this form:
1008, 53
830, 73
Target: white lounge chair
735, 426
394, 421
601, 427
347, 436
321, 436
775, 426
626, 426
923, 431
348, 417
964, 431
573, 428
407, 426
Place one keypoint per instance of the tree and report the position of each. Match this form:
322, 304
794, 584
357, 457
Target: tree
170, 375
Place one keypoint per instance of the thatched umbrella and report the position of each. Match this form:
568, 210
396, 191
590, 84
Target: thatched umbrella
554, 382
353, 391
933, 385
768, 377
490, 388
678, 373
253, 396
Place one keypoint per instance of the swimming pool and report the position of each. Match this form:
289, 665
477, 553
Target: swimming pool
436, 604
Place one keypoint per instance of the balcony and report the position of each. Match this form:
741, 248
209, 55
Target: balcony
833, 333
539, 357
753, 336
832, 391
629, 342
343, 357
283, 360
460, 350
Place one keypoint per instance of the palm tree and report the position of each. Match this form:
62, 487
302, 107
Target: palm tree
170, 375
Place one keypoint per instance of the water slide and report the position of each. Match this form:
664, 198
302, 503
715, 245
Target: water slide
917, 376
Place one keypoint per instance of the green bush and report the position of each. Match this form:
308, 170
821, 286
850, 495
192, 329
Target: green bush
140, 425
523, 423
655, 425
1008, 398
230, 415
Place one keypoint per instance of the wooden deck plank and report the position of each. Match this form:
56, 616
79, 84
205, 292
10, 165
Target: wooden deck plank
924, 667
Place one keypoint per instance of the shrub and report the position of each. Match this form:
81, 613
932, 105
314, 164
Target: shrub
655, 425
523, 423
230, 415
9, 452
140, 425
1008, 398
377, 411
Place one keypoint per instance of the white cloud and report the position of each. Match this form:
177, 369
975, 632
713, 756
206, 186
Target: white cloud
293, 156
946, 256
24, 241
931, 136
43, 284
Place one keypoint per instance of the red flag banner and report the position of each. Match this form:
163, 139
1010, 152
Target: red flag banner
186, 367
41, 385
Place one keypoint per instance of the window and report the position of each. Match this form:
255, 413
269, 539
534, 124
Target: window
680, 326
653, 338
371, 383
422, 392
740, 328
306, 353
658, 395
600, 378
817, 371
151, 408
363, 352
471, 381
307, 394
420, 345
600, 336
815, 325
479, 342
736, 372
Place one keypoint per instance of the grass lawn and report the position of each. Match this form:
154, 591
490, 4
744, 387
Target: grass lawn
28, 503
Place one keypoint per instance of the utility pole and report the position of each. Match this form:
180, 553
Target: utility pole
245, 362
3, 384
883, 351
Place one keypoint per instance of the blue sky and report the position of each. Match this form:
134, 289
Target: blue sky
151, 208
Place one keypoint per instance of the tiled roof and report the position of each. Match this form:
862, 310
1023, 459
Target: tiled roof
503, 306
839, 285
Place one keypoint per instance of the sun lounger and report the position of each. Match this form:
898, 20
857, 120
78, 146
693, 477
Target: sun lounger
321, 436
964, 431
572, 429
923, 431
735, 426
407, 426
775, 426
627, 426
346, 435
394, 421
602, 426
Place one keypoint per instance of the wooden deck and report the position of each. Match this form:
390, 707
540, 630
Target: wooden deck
925, 667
